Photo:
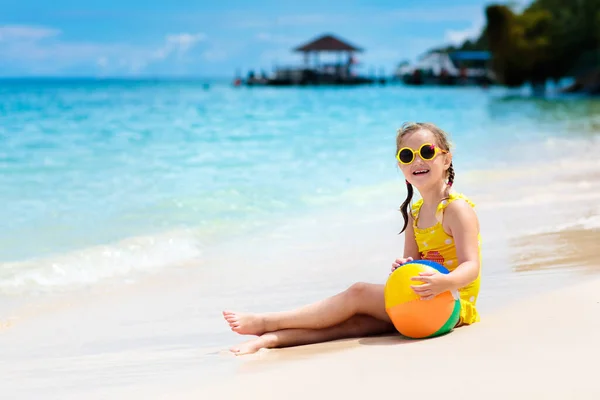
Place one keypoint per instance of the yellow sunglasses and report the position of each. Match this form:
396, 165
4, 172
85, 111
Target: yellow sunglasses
427, 152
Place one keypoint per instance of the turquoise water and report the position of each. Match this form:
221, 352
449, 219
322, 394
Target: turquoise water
109, 178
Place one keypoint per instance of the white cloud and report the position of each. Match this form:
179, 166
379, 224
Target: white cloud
39, 50
457, 37
39, 54
25, 32
178, 43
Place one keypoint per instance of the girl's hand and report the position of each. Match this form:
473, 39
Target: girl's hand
434, 283
400, 261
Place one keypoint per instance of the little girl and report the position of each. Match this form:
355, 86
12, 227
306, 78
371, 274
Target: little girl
442, 226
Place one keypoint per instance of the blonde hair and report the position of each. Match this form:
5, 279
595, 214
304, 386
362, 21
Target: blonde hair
444, 143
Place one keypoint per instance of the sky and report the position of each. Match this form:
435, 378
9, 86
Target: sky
217, 38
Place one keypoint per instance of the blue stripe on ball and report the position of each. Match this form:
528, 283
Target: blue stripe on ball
439, 267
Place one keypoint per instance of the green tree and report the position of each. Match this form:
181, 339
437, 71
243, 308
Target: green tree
547, 41
520, 44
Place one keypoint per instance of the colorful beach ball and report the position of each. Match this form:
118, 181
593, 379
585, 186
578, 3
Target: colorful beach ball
413, 317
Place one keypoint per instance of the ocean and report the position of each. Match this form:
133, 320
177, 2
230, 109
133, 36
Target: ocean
102, 180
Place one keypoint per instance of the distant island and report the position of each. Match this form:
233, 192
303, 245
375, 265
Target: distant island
549, 40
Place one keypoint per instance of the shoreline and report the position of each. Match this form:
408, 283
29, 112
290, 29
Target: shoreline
40, 274
382, 197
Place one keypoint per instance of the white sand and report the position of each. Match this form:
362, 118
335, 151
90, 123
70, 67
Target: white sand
545, 348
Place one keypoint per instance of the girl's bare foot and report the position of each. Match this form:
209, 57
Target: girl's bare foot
268, 340
245, 324
359, 325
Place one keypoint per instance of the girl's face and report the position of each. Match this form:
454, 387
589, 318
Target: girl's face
423, 173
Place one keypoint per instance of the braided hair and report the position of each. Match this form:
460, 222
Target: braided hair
450, 175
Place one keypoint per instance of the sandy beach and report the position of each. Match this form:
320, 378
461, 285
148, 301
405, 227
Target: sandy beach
165, 338
542, 348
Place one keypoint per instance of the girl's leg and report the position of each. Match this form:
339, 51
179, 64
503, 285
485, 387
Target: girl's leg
360, 298
356, 326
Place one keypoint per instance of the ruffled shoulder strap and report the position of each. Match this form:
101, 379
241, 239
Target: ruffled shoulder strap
416, 207
451, 197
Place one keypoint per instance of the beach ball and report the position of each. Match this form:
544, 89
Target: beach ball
413, 317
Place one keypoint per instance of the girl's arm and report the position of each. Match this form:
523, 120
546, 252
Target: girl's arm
460, 221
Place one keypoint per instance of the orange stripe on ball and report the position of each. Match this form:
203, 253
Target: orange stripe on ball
422, 318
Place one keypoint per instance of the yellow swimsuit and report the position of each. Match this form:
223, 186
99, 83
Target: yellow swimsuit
436, 245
